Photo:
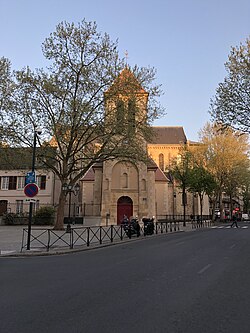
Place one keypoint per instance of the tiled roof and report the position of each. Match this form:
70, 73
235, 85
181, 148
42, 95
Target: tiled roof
160, 176
89, 176
168, 135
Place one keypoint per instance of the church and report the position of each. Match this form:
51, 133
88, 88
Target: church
113, 189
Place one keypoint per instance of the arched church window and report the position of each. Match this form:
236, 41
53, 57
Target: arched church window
143, 184
124, 180
161, 162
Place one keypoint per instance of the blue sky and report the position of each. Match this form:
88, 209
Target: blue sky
187, 41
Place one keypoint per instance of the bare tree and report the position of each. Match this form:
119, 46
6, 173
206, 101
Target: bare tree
76, 103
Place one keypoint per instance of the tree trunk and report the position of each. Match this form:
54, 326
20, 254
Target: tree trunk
184, 201
221, 208
201, 206
59, 225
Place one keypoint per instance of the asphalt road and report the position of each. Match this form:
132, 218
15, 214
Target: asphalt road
195, 282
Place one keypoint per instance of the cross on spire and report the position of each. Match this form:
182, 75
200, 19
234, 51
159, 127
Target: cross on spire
126, 56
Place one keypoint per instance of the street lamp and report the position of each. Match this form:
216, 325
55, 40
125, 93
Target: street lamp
36, 132
68, 188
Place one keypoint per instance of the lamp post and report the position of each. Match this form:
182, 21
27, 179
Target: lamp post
68, 188
36, 132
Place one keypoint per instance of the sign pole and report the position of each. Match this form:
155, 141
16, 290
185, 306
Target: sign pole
31, 203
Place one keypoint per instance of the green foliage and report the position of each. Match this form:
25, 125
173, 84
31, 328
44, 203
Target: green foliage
231, 105
201, 181
44, 216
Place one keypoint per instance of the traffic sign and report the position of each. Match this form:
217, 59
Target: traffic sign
31, 190
30, 177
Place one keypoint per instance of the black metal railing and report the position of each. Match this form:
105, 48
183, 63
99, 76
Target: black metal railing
79, 236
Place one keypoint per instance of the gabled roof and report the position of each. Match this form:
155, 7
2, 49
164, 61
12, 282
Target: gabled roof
168, 135
160, 176
89, 176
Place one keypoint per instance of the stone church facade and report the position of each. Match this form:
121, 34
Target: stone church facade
115, 188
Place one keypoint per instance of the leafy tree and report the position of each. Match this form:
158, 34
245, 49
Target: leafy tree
6, 87
224, 152
235, 182
180, 169
74, 102
231, 105
246, 193
202, 182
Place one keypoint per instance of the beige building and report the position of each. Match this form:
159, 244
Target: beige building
114, 188
14, 166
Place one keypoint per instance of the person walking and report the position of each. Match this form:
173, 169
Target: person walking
234, 221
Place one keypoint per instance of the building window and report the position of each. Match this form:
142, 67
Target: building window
4, 183
161, 162
20, 182
19, 206
124, 180
41, 182
12, 182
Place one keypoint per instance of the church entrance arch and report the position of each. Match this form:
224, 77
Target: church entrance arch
124, 207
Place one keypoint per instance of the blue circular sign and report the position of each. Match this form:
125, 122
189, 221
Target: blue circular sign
31, 190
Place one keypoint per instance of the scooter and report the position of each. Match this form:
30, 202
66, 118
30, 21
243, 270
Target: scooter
132, 227
149, 226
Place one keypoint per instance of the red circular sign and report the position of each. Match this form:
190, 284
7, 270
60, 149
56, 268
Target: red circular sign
31, 190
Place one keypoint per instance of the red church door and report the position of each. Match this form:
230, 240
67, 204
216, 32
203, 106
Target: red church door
124, 207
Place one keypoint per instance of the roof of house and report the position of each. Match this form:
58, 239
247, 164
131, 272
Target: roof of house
168, 135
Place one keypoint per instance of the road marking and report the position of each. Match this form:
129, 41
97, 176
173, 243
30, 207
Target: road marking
245, 227
204, 269
6, 251
232, 246
179, 243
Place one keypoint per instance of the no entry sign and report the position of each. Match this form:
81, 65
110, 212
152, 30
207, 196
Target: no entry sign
31, 190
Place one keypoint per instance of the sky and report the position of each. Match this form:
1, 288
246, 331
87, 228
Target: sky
186, 41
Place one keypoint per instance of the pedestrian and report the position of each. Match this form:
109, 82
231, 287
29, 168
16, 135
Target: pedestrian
234, 221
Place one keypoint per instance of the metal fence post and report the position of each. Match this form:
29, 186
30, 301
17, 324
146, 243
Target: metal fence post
111, 233
88, 236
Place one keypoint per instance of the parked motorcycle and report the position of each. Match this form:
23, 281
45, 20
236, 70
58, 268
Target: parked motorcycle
131, 227
149, 226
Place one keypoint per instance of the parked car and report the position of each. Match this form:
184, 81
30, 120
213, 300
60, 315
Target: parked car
245, 217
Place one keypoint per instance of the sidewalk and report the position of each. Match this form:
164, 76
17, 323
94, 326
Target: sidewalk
11, 241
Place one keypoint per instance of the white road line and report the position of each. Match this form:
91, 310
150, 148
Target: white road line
179, 243
245, 227
228, 227
232, 246
204, 269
